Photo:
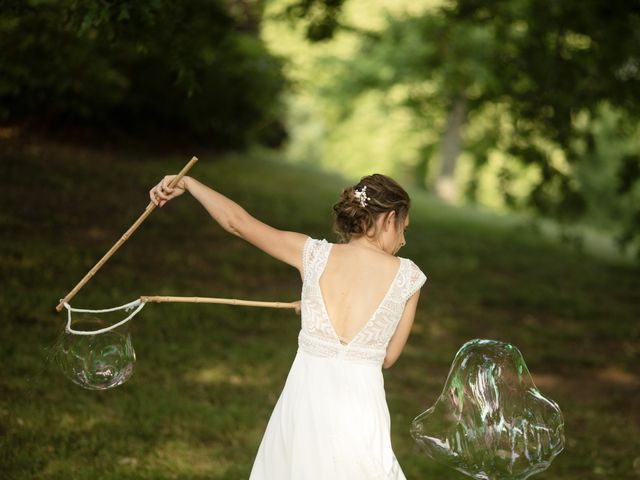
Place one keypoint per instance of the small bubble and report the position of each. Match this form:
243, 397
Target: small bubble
95, 362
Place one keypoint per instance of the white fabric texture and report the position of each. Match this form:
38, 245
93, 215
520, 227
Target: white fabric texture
331, 421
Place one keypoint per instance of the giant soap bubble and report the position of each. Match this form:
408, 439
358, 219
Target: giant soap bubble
96, 362
490, 421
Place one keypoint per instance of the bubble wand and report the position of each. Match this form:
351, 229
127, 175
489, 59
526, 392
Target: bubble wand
150, 208
139, 303
103, 358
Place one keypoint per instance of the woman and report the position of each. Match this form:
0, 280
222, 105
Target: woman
331, 421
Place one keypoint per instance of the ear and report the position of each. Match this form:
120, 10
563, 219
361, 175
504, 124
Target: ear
389, 220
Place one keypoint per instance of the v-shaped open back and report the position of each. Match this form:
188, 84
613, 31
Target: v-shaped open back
318, 334
326, 310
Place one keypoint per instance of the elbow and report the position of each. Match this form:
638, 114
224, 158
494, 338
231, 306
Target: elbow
390, 358
388, 362
234, 225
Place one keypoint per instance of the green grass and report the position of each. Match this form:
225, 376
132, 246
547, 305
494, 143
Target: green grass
207, 377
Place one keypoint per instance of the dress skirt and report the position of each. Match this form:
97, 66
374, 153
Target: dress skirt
331, 422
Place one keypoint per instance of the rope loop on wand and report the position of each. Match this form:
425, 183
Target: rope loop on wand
139, 304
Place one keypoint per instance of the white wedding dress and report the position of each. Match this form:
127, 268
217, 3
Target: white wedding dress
331, 421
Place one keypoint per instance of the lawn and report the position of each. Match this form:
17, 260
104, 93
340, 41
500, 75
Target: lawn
208, 376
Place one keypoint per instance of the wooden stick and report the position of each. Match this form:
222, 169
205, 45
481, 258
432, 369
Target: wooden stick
150, 208
225, 301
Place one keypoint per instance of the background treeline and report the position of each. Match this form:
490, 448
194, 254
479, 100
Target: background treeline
146, 68
527, 105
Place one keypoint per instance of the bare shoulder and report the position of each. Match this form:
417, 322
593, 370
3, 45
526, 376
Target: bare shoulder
366, 258
286, 246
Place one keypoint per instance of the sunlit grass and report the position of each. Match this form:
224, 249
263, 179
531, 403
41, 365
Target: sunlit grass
207, 377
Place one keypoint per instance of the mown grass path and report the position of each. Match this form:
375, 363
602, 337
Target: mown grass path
207, 377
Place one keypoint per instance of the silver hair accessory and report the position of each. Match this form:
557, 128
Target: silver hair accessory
361, 195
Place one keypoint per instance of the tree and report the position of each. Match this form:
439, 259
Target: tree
192, 68
544, 63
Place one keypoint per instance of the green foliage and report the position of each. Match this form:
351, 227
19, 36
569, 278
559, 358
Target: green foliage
608, 172
527, 70
321, 17
554, 61
139, 67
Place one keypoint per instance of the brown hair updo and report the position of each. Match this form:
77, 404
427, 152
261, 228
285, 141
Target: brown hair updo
385, 195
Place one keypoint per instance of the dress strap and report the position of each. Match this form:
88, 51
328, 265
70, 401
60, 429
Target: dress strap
314, 255
415, 279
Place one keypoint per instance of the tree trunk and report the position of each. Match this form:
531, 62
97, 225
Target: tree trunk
451, 146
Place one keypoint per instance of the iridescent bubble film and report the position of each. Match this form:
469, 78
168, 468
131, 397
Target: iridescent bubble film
490, 421
96, 362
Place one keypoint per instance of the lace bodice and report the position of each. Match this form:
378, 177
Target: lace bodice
317, 334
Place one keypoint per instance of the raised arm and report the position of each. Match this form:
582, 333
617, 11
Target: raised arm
282, 245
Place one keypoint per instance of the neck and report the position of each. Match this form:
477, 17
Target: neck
363, 241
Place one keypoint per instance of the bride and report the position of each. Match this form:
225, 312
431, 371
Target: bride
331, 421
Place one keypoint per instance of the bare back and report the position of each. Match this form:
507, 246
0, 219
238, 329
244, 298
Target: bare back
354, 283
366, 298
